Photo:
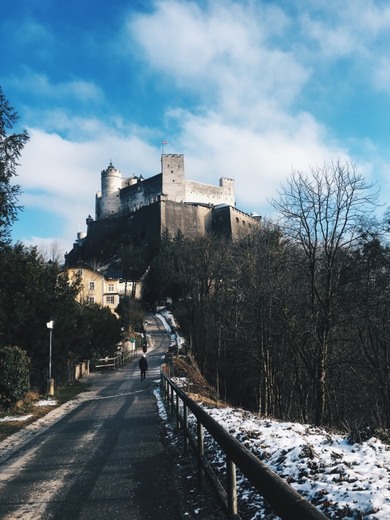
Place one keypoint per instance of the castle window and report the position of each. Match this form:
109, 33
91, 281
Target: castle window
110, 300
111, 287
237, 220
91, 286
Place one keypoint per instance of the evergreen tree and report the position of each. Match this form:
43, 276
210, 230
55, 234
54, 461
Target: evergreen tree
11, 145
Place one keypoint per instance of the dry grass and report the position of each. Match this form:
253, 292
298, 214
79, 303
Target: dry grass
196, 386
27, 406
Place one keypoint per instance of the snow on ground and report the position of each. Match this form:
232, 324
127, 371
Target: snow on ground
344, 480
171, 326
15, 418
22, 418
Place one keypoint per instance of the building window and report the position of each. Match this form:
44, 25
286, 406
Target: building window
91, 286
110, 300
111, 287
91, 299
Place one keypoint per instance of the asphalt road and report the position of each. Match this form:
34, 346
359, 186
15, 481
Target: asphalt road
105, 459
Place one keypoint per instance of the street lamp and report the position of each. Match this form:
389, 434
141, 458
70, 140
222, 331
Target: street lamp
50, 382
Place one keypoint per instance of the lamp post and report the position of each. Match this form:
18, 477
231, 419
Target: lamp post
50, 381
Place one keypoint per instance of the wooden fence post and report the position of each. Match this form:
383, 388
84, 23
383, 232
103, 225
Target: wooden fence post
231, 486
200, 435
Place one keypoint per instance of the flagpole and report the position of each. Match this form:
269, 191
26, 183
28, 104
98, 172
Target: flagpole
162, 146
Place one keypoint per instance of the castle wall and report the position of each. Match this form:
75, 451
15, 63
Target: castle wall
107, 234
232, 222
119, 195
204, 193
142, 193
191, 220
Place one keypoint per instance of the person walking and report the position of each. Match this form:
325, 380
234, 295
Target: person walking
143, 365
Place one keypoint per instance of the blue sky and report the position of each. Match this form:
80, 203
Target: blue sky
244, 89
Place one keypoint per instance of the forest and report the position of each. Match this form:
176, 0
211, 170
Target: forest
292, 321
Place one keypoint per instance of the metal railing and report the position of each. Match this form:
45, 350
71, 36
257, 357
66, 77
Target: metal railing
282, 498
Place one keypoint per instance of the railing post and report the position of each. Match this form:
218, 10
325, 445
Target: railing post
172, 400
177, 412
231, 486
185, 425
200, 435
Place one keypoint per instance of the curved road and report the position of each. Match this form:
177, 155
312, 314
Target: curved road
106, 459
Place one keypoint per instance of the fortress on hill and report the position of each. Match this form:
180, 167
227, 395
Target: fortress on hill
135, 212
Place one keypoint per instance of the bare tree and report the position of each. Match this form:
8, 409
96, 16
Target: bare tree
52, 252
323, 214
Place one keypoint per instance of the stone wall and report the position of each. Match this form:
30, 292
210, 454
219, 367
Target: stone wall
192, 220
207, 194
142, 193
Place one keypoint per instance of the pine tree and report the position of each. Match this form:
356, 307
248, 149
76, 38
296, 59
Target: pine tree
11, 145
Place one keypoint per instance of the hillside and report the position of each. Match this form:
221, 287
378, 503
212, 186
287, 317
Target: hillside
343, 478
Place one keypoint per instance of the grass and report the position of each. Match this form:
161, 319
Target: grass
27, 407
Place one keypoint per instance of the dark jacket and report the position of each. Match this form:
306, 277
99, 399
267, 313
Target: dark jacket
143, 363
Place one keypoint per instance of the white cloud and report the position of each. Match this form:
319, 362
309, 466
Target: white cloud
31, 33
38, 84
245, 66
381, 76
222, 53
62, 176
259, 160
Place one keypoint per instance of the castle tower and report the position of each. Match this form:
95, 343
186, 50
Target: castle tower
173, 183
108, 201
227, 186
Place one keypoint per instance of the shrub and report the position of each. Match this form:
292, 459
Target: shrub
14, 371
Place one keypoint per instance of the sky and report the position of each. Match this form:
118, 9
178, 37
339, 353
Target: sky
246, 89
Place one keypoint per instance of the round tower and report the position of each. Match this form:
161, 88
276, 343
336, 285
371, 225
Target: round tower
110, 194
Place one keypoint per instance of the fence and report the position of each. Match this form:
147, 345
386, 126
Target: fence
114, 362
81, 369
281, 497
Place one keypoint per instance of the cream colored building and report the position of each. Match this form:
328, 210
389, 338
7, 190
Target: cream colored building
101, 289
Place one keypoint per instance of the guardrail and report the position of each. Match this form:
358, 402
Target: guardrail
281, 497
